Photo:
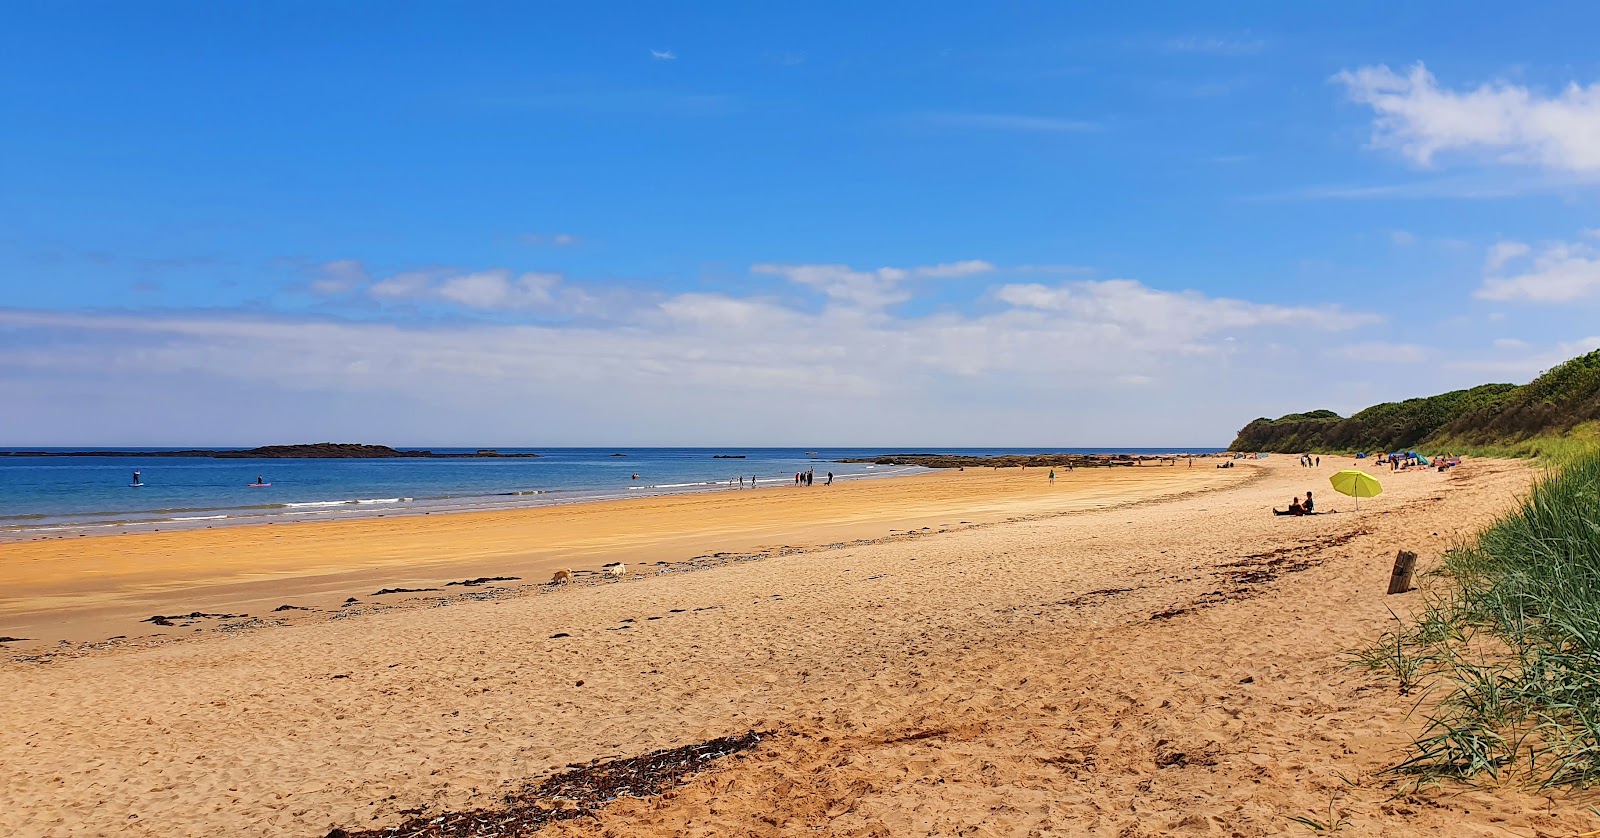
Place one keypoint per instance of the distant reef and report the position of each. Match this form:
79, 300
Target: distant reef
1552, 405
1007, 460
311, 451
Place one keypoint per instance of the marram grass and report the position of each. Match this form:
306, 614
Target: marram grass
1508, 654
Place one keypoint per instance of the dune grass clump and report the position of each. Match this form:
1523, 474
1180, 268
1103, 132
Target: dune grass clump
1511, 650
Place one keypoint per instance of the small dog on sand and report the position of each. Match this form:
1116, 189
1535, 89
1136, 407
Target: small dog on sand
562, 575
618, 569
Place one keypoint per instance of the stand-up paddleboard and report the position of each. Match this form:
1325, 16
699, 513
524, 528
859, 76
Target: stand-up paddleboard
258, 485
136, 485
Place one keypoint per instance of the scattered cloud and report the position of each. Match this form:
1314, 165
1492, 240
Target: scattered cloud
1402, 238
1175, 318
949, 270
1558, 272
1502, 121
494, 289
868, 289
500, 354
339, 277
1528, 365
1510, 344
557, 239
663, 55
1380, 352
1212, 45
1503, 252
1020, 123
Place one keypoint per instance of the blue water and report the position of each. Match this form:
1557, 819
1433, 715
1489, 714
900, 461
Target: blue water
42, 496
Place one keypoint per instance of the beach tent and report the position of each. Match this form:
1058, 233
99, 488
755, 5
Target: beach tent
1361, 456
1423, 461
1261, 456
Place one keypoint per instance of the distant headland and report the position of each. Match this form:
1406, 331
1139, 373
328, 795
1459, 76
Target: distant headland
309, 451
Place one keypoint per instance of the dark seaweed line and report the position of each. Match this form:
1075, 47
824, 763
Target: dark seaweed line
577, 793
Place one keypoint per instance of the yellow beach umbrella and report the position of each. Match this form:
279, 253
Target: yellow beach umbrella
1356, 484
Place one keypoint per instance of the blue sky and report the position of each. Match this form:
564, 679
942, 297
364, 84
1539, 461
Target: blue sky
899, 225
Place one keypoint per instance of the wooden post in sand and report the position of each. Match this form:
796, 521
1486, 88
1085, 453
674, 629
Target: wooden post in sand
1405, 563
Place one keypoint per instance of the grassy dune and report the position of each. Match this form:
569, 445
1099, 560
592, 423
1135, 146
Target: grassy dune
1502, 419
1506, 657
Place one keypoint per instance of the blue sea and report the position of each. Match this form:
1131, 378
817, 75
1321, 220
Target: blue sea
53, 496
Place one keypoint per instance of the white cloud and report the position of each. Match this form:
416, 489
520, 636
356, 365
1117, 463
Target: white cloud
1380, 352
1502, 252
496, 289
1510, 344
339, 277
947, 270
1507, 122
1530, 365
401, 286
868, 290
663, 55
1402, 238
1560, 272
676, 357
1133, 308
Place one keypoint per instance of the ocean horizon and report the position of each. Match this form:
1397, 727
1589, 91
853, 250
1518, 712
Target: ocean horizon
44, 496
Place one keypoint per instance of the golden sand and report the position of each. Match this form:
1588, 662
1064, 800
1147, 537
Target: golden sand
1143, 653
88, 588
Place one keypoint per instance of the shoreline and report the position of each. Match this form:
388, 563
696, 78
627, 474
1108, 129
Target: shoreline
92, 588
362, 508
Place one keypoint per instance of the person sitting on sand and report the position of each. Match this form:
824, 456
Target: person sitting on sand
1309, 504
1294, 508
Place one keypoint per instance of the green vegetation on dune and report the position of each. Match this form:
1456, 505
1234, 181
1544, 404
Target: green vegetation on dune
1510, 651
1503, 417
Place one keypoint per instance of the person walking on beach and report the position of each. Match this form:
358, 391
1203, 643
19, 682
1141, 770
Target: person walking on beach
1052, 477
830, 479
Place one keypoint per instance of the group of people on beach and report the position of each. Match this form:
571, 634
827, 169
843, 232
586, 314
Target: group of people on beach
809, 476
1298, 507
1309, 461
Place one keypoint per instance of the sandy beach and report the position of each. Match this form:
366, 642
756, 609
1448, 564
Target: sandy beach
1131, 652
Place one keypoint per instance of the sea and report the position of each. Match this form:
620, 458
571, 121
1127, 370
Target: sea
67, 495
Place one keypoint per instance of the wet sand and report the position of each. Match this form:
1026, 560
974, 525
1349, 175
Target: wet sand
1163, 659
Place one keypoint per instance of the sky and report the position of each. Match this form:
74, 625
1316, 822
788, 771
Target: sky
824, 224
